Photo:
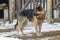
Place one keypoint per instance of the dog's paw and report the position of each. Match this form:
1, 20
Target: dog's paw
39, 34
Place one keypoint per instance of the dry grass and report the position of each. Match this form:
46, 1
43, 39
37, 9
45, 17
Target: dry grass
6, 30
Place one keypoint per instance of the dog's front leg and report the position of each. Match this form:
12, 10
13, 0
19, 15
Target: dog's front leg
39, 28
35, 25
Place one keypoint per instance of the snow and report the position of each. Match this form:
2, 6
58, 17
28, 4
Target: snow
28, 29
45, 26
50, 27
7, 25
7, 38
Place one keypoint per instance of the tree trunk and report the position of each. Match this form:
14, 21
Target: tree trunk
49, 11
11, 10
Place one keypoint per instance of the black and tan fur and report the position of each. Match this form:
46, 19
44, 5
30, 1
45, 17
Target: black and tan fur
36, 16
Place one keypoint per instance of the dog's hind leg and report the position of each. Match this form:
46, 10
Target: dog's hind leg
16, 25
18, 28
20, 25
24, 24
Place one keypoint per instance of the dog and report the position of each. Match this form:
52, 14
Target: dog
35, 16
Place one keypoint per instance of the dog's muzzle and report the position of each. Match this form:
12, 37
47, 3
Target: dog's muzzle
36, 14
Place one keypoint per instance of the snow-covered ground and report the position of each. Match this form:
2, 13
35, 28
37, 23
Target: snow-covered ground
7, 38
45, 28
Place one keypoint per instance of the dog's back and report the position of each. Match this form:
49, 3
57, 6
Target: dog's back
27, 13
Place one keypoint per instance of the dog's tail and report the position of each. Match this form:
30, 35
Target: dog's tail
16, 25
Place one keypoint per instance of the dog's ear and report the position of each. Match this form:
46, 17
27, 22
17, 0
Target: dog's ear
39, 7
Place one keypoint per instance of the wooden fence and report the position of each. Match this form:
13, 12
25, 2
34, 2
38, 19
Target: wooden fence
16, 6
20, 5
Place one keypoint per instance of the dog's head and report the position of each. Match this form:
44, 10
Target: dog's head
39, 12
39, 8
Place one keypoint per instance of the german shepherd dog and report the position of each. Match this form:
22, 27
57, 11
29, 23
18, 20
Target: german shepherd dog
36, 16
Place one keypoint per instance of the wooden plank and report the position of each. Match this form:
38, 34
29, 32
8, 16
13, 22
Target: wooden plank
26, 4
44, 3
34, 5
23, 3
31, 5
3, 6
